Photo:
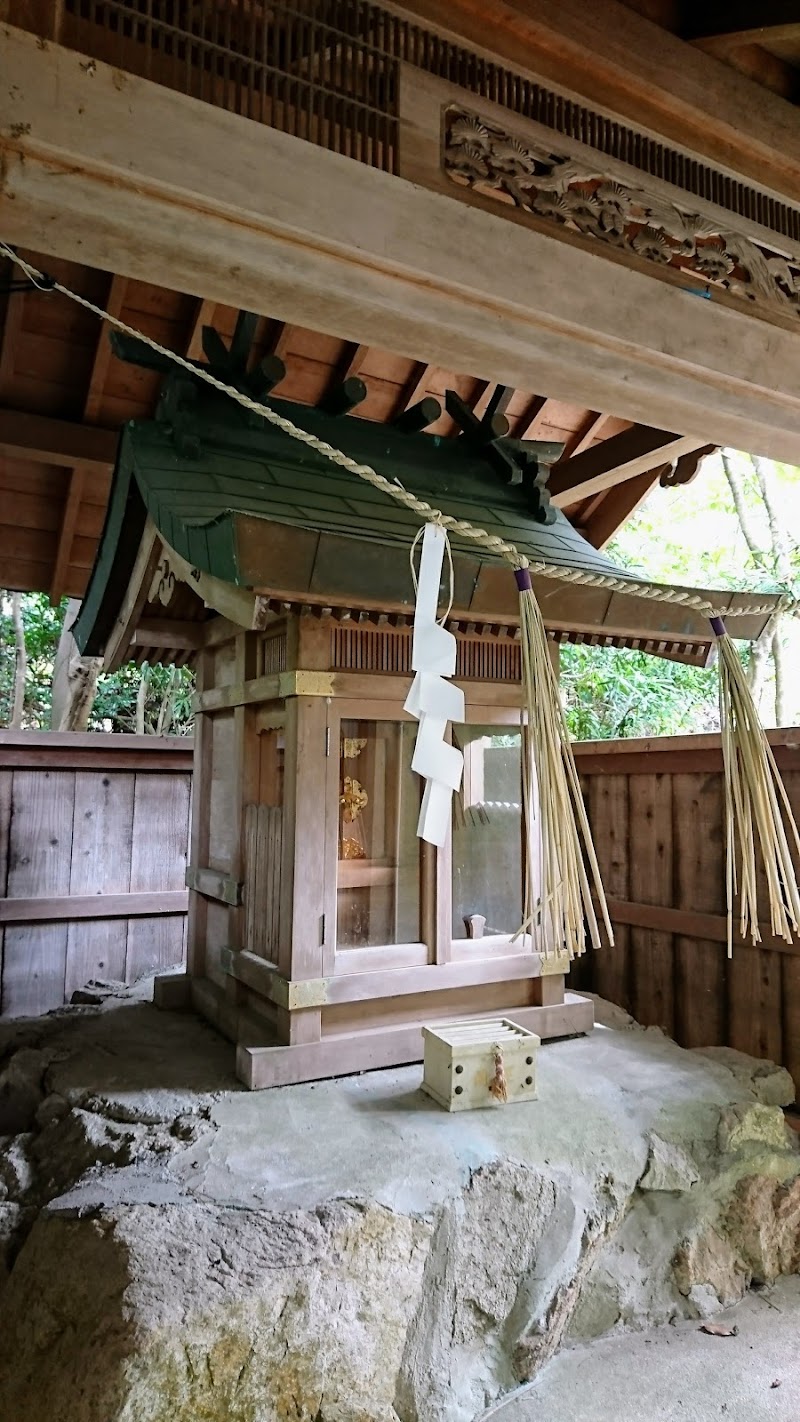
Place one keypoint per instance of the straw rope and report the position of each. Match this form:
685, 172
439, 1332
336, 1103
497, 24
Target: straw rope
556, 822
394, 490
757, 810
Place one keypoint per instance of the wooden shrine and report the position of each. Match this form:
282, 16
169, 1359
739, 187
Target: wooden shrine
322, 932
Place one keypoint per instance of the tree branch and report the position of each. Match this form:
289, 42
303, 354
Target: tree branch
21, 663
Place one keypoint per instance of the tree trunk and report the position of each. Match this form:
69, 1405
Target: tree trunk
141, 699
765, 474
782, 713
74, 679
736, 486
167, 708
757, 666
20, 665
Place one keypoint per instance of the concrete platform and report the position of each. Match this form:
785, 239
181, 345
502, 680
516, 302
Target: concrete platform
677, 1374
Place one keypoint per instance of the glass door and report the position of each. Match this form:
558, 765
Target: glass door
379, 859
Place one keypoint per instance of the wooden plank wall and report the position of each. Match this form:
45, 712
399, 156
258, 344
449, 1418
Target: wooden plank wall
93, 842
656, 810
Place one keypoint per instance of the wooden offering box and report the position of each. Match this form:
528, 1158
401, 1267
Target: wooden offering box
479, 1063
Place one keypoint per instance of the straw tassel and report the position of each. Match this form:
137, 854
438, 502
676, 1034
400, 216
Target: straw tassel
757, 809
562, 878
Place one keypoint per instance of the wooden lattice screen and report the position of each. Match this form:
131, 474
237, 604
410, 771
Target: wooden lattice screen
328, 71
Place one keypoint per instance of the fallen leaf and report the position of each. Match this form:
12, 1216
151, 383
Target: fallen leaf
720, 1330
776, 1383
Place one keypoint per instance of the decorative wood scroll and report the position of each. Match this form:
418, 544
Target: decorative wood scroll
576, 192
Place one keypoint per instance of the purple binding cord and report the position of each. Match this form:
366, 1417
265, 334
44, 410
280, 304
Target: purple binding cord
523, 577
717, 626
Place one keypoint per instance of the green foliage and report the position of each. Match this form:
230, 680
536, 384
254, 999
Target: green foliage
690, 536
610, 694
115, 704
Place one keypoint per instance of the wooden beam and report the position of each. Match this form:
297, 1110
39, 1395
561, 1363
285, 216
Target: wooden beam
180, 636
81, 906
43, 440
241, 211
711, 927
616, 506
69, 519
622, 457
115, 300
732, 21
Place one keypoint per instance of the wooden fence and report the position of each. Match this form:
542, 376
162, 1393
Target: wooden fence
93, 842
656, 810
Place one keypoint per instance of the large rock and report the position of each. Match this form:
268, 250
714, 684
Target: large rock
347, 1252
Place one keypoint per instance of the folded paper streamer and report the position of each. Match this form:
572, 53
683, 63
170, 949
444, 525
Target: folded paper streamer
433, 701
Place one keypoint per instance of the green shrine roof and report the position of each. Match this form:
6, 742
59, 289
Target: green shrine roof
241, 500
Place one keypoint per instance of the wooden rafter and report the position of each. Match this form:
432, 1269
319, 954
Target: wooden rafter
532, 418
587, 431
44, 440
115, 299
612, 509
352, 360
280, 343
415, 386
622, 457
12, 325
203, 315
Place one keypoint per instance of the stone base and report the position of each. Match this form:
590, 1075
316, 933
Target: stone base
346, 1251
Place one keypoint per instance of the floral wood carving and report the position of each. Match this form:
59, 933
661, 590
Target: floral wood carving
570, 192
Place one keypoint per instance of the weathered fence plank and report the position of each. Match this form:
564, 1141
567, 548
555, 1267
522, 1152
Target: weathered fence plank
89, 823
665, 879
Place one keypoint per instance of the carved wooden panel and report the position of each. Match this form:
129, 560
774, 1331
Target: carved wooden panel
566, 189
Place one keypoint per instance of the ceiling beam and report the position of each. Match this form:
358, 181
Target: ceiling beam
48, 441
732, 21
617, 506
622, 457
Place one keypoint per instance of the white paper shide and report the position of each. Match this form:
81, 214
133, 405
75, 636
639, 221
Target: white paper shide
432, 699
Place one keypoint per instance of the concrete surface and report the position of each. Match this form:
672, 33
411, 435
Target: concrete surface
678, 1373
